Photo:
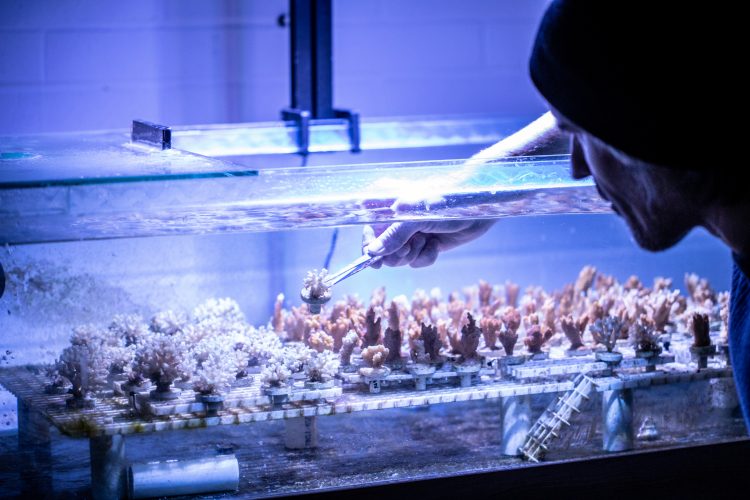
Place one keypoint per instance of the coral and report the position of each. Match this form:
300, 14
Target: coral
217, 363
548, 314
490, 327
457, 313
129, 327
393, 337
338, 329
350, 341
295, 356
320, 341
314, 284
322, 366
431, 341
84, 366
658, 307
508, 335
511, 294
168, 322
699, 290
485, 293
296, 323
275, 373
470, 335
374, 356
605, 281
226, 311
633, 283
277, 321
645, 337
372, 329
260, 344
418, 354
699, 327
377, 299
574, 329
163, 359
585, 279
662, 283
606, 331
535, 338
723, 300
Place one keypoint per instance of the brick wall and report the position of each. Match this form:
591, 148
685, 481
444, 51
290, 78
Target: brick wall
85, 64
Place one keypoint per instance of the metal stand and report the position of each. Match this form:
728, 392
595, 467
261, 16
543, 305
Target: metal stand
312, 72
301, 433
107, 467
617, 420
34, 453
515, 415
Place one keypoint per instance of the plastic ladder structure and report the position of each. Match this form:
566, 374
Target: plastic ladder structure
553, 418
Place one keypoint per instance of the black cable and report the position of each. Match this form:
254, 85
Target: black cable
334, 237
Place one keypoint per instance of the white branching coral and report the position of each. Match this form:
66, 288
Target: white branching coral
350, 341
218, 361
169, 322
218, 367
295, 356
84, 366
275, 373
130, 328
322, 366
260, 344
223, 312
163, 359
314, 284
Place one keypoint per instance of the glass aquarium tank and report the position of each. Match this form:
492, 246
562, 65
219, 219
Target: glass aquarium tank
156, 342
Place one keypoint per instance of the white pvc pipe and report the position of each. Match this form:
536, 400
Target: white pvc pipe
184, 477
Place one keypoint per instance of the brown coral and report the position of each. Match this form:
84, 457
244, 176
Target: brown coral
535, 338
470, 334
372, 329
699, 327
508, 335
573, 330
393, 336
432, 344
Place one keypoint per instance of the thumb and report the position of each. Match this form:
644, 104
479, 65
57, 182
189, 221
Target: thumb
393, 238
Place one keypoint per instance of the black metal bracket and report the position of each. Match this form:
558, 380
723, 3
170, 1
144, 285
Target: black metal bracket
312, 72
151, 134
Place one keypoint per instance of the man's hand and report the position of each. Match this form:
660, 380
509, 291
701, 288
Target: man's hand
418, 243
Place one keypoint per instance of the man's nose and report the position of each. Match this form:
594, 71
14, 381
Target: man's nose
579, 166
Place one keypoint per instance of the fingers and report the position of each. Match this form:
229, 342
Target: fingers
393, 238
428, 255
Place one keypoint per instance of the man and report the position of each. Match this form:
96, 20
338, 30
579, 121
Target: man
644, 98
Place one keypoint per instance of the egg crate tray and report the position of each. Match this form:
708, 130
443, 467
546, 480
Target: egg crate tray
247, 397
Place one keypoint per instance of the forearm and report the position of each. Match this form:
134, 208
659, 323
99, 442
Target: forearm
538, 137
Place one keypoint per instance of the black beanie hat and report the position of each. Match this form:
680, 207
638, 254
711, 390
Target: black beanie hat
643, 77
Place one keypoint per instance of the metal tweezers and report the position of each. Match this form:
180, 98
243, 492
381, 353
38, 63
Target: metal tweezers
350, 270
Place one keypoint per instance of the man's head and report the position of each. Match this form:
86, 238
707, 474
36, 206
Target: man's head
623, 83
659, 204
